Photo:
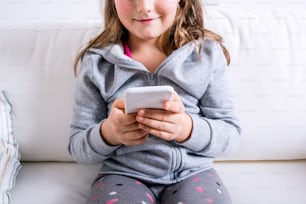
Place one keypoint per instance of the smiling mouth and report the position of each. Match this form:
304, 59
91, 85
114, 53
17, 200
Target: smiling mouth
146, 20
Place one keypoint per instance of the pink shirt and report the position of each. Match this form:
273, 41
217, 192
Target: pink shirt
127, 50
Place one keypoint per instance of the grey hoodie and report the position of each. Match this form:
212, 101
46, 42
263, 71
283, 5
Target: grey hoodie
202, 85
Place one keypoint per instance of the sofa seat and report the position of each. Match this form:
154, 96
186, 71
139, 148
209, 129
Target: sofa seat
270, 182
53, 183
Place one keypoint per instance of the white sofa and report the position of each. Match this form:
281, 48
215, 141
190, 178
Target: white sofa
268, 79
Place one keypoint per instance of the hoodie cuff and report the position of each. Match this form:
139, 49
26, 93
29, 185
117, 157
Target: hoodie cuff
98, 143
200, 135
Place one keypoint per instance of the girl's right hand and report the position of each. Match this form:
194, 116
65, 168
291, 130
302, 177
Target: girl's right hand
121, 128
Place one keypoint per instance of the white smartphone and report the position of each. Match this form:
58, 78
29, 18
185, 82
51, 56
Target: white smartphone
146, 97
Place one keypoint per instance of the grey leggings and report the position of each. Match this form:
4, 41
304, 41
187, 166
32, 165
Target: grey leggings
202, 188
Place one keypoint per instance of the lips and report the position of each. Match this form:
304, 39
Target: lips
146, 20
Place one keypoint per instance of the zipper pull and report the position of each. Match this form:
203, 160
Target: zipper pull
152, 76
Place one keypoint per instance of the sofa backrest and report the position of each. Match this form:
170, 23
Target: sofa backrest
36, 70
267, 75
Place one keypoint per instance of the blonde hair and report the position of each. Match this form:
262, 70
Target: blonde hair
188, 27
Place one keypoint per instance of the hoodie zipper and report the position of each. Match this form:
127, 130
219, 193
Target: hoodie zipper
152, 78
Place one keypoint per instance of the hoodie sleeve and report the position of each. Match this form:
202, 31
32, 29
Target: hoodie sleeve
216, 130
89, 110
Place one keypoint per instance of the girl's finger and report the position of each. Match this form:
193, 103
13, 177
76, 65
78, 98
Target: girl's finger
134, 138
119, 103
175, 105
155, 124
154, 114
163, 134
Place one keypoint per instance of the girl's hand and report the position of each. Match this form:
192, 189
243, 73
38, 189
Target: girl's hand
172, 123
121, 128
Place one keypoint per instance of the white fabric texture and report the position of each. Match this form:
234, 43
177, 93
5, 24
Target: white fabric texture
9, 154
40, 59
211, 2
248, 182
267, 74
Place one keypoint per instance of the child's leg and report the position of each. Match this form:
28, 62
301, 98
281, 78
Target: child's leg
110, 189
205, 187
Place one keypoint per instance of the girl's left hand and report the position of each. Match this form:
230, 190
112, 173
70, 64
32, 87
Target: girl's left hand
172, 123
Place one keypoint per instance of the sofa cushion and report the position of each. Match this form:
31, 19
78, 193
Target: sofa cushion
247, 182
265, 182
211, 2
268, 78
39, 59
53, 183
9, 154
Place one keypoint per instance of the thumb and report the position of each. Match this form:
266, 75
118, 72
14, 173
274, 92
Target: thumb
119, 103
175, 104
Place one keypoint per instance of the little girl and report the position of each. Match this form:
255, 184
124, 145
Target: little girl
154, 156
